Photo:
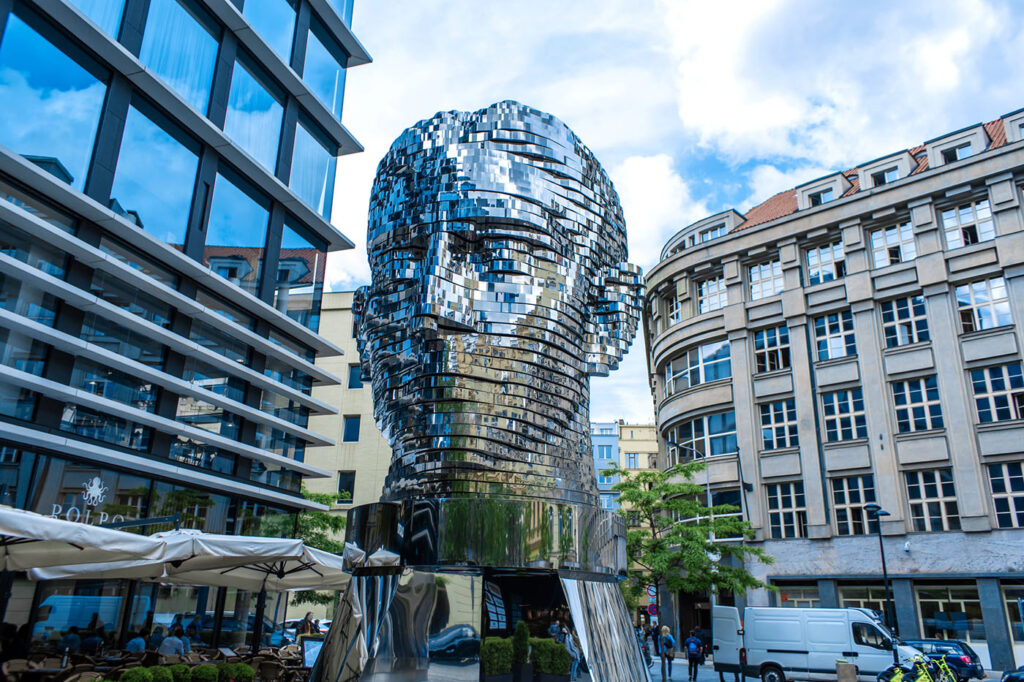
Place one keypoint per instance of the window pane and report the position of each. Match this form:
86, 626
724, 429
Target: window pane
300, 279
274, 20
253, 117
236, 236
180, 50
58, 104
159, 203
104, 13
312, 172
351, 429
324, 75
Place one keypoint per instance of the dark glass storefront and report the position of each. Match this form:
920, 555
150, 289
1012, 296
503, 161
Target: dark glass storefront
107, 610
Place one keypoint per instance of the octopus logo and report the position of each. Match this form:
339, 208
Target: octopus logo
94, 492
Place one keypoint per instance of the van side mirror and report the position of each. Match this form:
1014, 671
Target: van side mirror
887, 644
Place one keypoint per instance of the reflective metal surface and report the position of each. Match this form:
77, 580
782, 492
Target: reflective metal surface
500, 285
605, 630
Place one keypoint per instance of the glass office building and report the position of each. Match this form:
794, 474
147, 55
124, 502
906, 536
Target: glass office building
168, 170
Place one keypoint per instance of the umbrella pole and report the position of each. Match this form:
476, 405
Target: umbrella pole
6, 583
257, 627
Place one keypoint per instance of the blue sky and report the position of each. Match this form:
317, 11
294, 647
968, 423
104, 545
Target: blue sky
692, 107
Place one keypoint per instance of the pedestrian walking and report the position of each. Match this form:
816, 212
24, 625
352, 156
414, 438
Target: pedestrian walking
306, 626
555, 630
668, 647
574, 652
694, 653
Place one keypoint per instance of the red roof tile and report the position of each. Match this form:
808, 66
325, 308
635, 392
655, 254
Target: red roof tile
784, 203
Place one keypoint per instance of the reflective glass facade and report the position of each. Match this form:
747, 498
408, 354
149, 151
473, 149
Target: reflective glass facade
147, 334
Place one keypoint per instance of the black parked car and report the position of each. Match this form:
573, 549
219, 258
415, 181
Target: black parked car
1014, 675
960, 657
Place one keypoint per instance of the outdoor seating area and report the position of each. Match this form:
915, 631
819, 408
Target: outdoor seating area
84, 648
240, 664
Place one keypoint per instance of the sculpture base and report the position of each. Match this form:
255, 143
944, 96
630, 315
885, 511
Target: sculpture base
410, 625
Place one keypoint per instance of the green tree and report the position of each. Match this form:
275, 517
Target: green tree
318, 529
681, 556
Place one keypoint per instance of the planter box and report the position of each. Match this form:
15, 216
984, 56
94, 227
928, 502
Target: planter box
504, 677
548, 677
522, 672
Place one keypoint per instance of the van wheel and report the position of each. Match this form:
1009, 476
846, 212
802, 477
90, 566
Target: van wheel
772, 673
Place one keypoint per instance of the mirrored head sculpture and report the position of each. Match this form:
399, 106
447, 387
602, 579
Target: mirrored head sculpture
500, 285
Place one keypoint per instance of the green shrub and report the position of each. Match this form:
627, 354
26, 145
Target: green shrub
161, 673
180, 672
243, 672
496, 655
560, 660
540, 653
521, 643
224, 671
138, 674
204, 673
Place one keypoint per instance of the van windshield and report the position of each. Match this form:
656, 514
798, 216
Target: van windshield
868, 635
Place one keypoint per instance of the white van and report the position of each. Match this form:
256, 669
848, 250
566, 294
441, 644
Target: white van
779, 643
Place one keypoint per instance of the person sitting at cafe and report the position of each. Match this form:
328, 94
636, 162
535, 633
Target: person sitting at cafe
71, 641
155, 639
172, 645
136, 642
94, 643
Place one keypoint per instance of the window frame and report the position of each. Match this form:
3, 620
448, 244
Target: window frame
823, 333
764, 274
1009, 514
908, 320
779, 527
712, 294
968, 304
923, 507
957, 233
850, 517
695, 363
779, 425
913, 415
824, 270
1008, 399
846, 416
773, 348
903, 240
345, 431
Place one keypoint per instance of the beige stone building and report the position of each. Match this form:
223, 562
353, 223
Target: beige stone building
359, 459
638, 446
857, 339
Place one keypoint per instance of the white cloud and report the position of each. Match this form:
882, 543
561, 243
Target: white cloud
766, 181
657, 203
839, 83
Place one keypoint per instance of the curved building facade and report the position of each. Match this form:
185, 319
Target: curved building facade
858, 339
167, 173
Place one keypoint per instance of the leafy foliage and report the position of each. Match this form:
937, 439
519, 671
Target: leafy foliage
496, 655
318, 529
161, 673
682, 556
137, 675
201, 673
521, 643
180, 672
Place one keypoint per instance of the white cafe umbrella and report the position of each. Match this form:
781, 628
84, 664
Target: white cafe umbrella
183, 550
29, 540
313, 569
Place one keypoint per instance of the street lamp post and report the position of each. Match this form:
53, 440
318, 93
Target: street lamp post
875, 511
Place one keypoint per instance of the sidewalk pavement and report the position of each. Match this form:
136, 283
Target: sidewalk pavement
680, 670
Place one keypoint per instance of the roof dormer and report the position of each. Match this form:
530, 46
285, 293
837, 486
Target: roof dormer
822, 190
1014, 124
956, 146
702, 231
886, 170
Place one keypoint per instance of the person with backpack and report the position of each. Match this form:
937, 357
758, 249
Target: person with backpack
668, 647
694, 653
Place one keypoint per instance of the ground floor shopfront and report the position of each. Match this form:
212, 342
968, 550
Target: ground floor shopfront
82, 492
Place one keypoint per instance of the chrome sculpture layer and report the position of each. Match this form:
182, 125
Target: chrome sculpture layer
500, 284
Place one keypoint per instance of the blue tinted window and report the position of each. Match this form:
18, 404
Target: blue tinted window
254, 117
344, 9
236, 236
274, 20
179, 49
104, 13
312, 175
300, 278
159, 202
51, 104
350, 432
324, 74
